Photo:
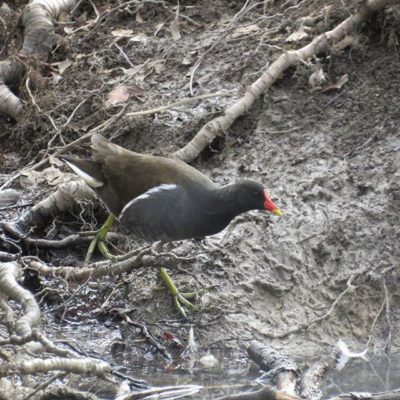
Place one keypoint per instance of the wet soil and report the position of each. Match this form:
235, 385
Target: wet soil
330, 160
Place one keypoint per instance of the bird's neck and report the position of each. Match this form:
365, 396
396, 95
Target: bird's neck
226, 201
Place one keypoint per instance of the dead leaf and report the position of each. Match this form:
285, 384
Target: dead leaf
122, 32
53, 176
174, 26
55, 161
317, 78
139, 18
336, 85
68, 30
62, 65
56, 78
159, 66
158, 28
139, 38
297, 36
122, 93
245, 30
29, 179
345, 42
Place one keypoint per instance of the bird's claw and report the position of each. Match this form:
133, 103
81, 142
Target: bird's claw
98, 240
181, 300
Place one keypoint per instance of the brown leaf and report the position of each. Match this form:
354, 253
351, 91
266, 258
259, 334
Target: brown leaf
336, 85
62, 65
297, 36
53, 176
55, 161
122, 93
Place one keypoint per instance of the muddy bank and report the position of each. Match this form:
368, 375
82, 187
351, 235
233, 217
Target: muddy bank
326, 270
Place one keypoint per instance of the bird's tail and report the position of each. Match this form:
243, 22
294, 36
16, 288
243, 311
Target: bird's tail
90, 171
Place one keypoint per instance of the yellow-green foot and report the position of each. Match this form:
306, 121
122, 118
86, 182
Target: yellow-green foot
181, 300
98, 240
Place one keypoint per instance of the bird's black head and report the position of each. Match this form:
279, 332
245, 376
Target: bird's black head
251, 195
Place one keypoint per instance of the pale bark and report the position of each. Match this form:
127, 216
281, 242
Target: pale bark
9, 273
39, 38
77, 365
65, 198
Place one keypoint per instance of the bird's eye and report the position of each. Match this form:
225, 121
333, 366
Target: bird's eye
256, 194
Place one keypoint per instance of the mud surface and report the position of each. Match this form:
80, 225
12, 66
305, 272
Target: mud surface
330, 160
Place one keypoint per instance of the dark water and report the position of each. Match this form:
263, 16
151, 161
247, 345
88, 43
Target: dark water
382, 373
233, 372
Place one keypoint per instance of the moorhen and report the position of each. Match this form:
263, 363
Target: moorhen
158, 198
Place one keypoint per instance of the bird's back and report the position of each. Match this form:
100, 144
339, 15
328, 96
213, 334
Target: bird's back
128, 174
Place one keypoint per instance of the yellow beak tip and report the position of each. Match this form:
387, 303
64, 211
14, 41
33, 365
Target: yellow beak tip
277, 212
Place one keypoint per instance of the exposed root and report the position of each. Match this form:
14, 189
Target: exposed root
65, 198
97, 270
37, 19
9, 273
77, 366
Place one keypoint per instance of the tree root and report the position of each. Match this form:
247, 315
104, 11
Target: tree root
37, 19
77, 366
63, 199
9, 272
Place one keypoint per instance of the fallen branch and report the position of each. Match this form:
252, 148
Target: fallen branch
65, 392
9, 272
280, 367
97, 270
323, 42
312, 377
77, 366
63, 199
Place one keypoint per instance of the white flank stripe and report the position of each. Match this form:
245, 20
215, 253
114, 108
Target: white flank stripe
92, 182
145, 195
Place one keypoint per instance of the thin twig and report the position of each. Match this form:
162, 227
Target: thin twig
178, 103
316, 320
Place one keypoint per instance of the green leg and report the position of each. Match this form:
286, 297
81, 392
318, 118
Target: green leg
98, 240
180, 299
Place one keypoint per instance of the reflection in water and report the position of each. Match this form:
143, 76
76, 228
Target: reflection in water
380, 374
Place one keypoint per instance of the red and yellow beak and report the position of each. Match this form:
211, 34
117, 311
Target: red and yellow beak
269, 205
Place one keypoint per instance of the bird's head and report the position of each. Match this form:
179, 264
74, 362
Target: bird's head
253, 196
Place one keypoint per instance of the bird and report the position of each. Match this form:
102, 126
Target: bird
164, 199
